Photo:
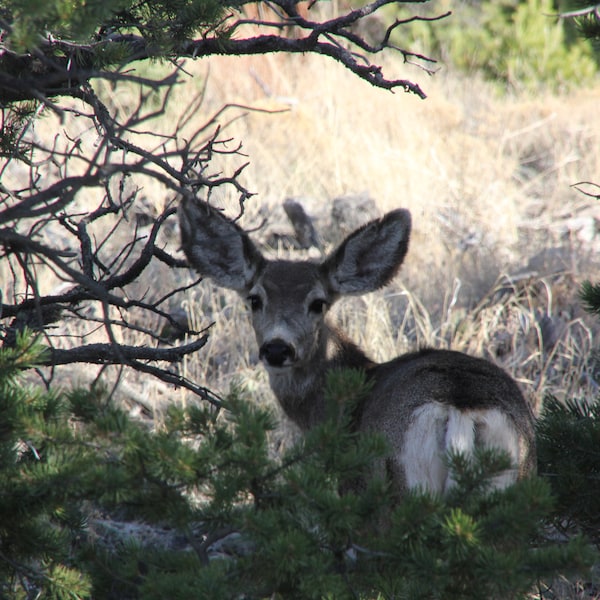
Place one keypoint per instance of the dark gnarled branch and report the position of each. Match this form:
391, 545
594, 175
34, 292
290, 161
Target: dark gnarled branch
81, 220
58, 67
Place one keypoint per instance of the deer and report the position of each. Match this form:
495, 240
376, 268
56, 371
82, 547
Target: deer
426, 403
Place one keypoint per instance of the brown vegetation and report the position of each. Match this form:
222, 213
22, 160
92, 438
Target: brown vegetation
501, 238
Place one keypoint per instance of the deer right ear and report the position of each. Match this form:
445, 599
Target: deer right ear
216, 247
368, 258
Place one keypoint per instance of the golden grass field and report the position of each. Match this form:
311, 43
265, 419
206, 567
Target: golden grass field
501, 240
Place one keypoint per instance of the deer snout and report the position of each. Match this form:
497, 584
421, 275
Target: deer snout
277, 353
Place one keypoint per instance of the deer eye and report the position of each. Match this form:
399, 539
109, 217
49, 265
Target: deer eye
317, 306
255, 302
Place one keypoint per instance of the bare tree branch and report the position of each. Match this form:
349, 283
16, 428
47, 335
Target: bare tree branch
105, 255
59, 67
109, 354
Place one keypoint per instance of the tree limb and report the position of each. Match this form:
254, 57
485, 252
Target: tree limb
59, 67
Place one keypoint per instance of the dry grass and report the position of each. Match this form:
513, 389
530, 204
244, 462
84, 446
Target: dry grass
500, 240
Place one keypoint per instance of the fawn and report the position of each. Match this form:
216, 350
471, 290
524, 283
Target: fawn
425, 403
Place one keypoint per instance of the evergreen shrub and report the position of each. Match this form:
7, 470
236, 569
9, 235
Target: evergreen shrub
234, 520
520, 44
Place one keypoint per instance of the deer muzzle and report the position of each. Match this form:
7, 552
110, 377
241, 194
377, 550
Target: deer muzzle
277, 353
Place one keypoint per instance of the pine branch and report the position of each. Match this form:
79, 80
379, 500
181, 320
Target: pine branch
590, 296
58, 67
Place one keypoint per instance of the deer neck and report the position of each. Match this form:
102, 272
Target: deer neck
300, 388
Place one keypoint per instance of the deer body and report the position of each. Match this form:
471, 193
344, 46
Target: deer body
425, 403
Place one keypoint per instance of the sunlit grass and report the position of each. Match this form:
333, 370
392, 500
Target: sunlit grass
487, 179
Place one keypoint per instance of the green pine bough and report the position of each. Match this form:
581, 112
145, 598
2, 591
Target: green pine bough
243, 521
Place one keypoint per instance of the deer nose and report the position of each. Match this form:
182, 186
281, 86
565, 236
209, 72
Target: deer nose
277, 352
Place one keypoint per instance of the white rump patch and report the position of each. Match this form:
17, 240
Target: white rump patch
422, 457
436, 428
496, 430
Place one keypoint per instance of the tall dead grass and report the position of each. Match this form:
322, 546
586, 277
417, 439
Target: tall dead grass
500, 239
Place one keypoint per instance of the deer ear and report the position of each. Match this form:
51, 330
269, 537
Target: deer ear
370, 257
216, 247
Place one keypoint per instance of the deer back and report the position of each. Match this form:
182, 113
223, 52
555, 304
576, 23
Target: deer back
431, 402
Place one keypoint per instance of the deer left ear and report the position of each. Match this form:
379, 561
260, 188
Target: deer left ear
217, 247
370, 257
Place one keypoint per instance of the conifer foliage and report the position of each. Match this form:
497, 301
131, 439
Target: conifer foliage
569, 440
57, 47
40, 491
230, 520
587, 19
569, 447
569, 432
